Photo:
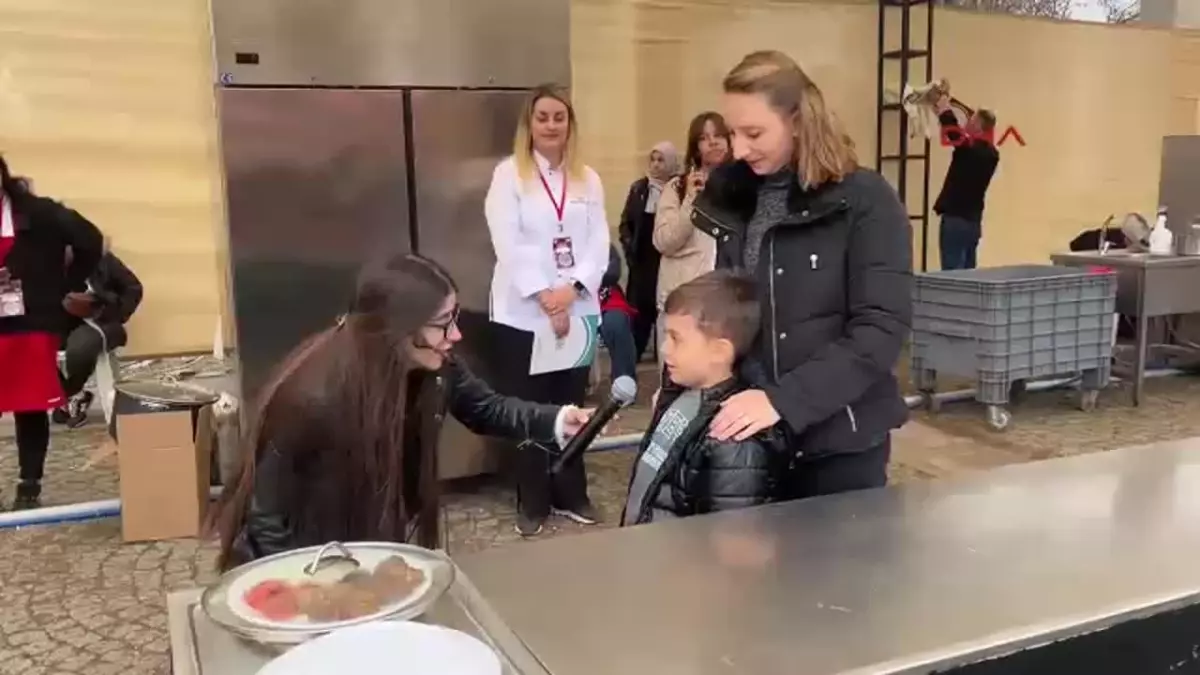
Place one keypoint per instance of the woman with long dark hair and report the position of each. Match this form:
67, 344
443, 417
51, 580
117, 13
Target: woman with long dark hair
37, 291
831, 247
342, 443
686, 253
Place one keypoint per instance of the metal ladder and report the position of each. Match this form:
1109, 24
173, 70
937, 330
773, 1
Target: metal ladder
892, 113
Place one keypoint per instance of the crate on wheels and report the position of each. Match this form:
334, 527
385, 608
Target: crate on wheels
1002, 326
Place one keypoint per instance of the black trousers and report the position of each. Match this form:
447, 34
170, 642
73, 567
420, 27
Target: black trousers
33, 441
846, 472
83, 347
508, 351
643, 296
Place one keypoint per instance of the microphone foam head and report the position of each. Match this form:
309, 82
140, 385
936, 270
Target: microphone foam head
624, 390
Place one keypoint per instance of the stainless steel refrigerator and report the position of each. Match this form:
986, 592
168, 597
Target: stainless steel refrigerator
354, 127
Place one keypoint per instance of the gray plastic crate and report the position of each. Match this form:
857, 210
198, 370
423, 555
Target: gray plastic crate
1004, 325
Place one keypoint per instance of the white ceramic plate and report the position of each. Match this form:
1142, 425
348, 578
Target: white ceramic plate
389, 648
292, 570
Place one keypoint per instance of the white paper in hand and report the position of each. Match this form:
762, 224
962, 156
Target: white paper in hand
577, 350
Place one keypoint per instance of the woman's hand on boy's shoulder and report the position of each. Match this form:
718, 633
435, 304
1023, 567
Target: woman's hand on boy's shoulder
743, 415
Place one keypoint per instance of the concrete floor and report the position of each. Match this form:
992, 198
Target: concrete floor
73, 599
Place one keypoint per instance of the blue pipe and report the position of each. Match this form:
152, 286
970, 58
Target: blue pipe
111, 508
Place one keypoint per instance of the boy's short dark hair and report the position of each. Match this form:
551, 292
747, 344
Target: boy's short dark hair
723, 303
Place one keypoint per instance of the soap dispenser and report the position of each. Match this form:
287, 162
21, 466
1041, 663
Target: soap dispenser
1161, 240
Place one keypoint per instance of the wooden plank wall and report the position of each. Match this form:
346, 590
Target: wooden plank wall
108, 106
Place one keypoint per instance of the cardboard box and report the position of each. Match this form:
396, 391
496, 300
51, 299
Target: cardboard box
164, 469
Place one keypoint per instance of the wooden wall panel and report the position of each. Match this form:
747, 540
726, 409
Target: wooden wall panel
109, 107
1092, 102
643, 68
1185, 82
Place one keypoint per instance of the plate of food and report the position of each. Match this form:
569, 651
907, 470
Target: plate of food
296, 595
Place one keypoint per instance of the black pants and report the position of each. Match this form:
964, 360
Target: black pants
642, 294
33, 440
839, 473
537, 489
83, 347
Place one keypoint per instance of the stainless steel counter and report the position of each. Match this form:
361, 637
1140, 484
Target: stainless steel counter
900, 580
1148, 286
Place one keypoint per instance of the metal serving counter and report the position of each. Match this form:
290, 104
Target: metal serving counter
909, 579
1148, 286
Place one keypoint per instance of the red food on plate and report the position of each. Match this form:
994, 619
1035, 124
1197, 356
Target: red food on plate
274, 600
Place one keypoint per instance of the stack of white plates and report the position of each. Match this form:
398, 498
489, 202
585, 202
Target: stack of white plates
389, 648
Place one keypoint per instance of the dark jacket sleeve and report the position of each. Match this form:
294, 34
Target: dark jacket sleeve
625, 231
612, 275
488, 413
84, 238
951, 131
122, 292
879, 313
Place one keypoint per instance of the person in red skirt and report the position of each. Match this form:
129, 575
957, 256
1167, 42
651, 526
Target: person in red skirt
36, 295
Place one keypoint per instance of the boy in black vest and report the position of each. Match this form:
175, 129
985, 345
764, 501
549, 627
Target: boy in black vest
680, 471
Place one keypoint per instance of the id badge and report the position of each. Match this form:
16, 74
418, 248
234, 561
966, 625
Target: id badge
564, 253
12, 301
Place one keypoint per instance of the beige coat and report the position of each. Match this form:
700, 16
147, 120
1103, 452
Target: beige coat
686, 252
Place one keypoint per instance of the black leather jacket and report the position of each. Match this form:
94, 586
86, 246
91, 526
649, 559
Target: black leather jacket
704, 475
268, 529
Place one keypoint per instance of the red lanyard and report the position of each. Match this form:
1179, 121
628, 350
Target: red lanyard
561, 203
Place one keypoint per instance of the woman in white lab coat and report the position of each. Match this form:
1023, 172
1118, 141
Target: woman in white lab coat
545, 213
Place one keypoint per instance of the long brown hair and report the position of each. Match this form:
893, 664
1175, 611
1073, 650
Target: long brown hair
824, 151
523, 138
338, 416
691, 157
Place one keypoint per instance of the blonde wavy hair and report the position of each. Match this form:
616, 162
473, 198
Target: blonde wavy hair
523, 139
824, 151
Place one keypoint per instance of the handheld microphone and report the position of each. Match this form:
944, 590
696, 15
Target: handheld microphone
623, 393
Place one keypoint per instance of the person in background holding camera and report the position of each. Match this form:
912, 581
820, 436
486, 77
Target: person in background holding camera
972, 166
545, 213
830, 246
686, 253
113, 294
35, 289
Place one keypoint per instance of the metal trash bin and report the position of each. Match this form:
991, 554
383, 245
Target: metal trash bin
1004, 325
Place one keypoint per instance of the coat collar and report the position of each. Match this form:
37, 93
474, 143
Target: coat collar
714, 394
732, 190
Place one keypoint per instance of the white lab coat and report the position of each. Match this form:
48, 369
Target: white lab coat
524, 225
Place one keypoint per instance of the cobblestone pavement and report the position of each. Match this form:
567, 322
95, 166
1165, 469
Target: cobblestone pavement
73, 599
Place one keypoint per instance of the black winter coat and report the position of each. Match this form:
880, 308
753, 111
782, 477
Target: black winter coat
118, 293
44, 229
835, 279
636, 233
704, 475
268, 530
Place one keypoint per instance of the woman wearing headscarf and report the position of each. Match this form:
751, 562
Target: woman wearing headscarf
637, 239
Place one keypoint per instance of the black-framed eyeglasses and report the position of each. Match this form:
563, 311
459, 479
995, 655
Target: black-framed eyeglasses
447, 325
